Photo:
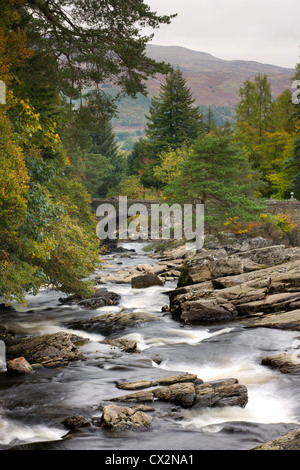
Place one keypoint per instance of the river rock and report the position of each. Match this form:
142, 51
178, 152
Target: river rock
284, 363
48, 350
117, 417
290, 441
269, 291
282, 321
101, 298
19, 366
145, 281
207, 311
146, 396
126, 345
221, 393
182, 394
269, 256
137, 385
75, 422
113, 322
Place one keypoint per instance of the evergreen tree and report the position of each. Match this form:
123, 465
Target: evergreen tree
216, 172
173, 117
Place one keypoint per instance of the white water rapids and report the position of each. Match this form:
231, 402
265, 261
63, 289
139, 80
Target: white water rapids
32, 407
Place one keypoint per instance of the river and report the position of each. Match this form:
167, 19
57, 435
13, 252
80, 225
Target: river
33, 406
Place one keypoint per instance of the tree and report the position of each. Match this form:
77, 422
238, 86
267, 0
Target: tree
95, 42
173, 117
216, 172
95, 159
254, 108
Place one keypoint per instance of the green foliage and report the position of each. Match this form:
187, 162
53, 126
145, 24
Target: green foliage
106, 35
216, 172
173, 118
254, 107
133, 188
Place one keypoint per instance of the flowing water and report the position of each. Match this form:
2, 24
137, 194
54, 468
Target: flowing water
33, 406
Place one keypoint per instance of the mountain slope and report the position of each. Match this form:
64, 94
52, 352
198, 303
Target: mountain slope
215, 81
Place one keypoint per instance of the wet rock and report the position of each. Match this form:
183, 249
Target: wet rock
267, 291
145, 281
269, 304
19, 366
121, 417
141, 384
156, 358
282, 321
221, 393
138, 397
125, 344
48, 350
114, 322
180, 394
192, 394
284, 363
145, 408
75, 422
207, 311
101, 298
290, 441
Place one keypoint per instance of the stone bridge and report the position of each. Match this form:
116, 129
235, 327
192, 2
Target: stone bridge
290, 207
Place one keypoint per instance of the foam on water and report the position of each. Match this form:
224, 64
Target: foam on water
266, 406
174, 337
13, 433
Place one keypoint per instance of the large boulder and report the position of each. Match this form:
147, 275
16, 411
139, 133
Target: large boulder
207, 311
146, 280
140, 384
101, 298
117, 417
113, 322
48, 350
188, 394
285, 363
266, 291
181, 394
283, 321
221, 393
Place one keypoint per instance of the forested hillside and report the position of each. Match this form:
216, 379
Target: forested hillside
214, 84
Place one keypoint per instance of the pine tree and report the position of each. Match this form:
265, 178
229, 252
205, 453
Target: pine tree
216, 172
173, 117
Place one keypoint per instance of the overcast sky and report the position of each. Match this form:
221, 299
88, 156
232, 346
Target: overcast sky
266, 31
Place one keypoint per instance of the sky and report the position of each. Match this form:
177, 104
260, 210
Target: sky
266, 31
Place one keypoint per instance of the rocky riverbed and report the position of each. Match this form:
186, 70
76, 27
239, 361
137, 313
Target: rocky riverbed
253, 283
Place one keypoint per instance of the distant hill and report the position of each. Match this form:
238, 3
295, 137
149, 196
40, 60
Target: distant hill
213, 82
